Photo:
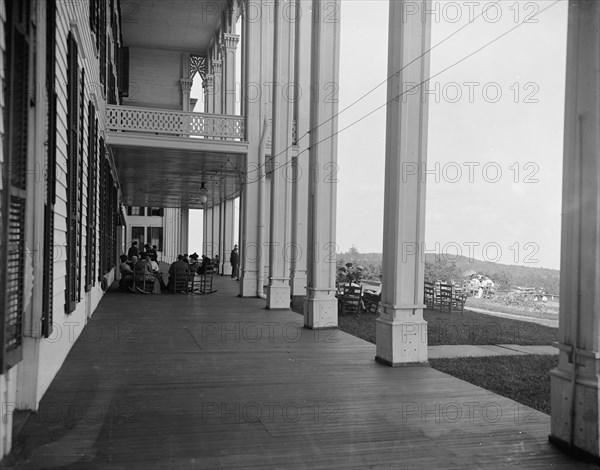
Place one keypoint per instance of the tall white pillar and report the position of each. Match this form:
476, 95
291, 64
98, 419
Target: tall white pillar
216, 226
209, 232
401, 331
299, 251
231, 42
185, 228
252, 57
217, 86
209, 91
186, 88
204, 230
228, 236
278, 290
321, 304
575, 382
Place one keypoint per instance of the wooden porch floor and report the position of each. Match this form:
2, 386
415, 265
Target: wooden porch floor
206, 382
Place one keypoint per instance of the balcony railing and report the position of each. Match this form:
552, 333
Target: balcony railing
180, 123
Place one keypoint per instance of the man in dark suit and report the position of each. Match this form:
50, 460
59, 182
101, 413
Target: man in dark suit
133, 250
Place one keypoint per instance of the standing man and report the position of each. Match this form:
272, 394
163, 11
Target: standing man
234, 259
133, 250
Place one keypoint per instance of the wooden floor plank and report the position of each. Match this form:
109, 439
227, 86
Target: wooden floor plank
175, 381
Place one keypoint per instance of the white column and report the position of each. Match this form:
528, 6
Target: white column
186, 88
228, 236
216, 226
184, 233
575, 382
299, 252
401, 331
231, 42
209, 90
278, 291
217, 86
208, 220
251, 60
321, 304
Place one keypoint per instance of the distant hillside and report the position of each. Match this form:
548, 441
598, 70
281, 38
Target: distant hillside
504, 275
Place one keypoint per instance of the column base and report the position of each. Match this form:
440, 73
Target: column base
320, 309
225, 269
248, 284
278, 295
401, 340
578, 402
298, 283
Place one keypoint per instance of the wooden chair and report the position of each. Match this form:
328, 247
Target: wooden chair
350, 301
371, 302
445, 297
429, 294
179, 284
205, 282
458, 300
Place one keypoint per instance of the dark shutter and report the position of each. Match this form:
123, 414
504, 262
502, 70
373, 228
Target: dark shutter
103, 211
12, 241
90, 258
72, 174
48, 260
123, 82
102, 41
80, 188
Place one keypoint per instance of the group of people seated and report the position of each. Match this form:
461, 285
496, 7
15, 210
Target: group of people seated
140, 270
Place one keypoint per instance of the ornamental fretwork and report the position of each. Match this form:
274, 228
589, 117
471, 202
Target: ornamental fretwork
198, 66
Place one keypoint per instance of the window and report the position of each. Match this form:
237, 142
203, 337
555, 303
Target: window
155, 211
137, 235
135, 210
155, 237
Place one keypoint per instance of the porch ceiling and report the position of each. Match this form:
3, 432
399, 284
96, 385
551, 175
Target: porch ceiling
172, 177
171, 24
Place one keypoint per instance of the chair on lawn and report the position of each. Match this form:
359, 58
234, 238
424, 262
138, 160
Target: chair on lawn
458, 299
351, 299
445, 297
371, 301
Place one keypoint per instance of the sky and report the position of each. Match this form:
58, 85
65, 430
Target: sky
495, 134
495, 130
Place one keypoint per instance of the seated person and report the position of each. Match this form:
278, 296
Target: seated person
179, 274
151, 252
156, 270
126, 274
143, 271
204, 266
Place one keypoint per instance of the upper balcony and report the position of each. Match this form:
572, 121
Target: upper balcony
174, 123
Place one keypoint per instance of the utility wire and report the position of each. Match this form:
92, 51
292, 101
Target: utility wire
419, 84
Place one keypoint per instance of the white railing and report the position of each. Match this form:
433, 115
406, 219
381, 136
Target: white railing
181, 123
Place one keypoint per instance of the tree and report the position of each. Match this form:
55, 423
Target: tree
441, 268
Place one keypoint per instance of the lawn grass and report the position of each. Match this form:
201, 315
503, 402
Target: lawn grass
460, 328
524, 379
